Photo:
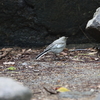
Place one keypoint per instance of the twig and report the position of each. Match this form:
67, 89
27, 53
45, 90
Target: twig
51, 92
84, 34
5, 53
79, 50
36, 92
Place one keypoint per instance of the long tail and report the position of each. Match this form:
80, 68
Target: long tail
41, 54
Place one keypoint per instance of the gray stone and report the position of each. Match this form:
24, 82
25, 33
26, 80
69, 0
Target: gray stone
12, 90
95, 21
93, 25
97, 97
75, 94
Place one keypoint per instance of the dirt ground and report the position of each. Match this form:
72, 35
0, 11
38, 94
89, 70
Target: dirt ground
78, 71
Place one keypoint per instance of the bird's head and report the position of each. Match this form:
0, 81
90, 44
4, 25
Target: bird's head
63, 38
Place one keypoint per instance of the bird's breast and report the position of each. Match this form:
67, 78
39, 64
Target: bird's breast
58, 48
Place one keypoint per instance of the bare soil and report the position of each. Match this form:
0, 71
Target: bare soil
75, 70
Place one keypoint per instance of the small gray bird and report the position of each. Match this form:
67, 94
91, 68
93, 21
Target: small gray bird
56, 47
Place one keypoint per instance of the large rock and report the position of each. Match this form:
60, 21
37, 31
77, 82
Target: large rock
12, 90
32, 22
93, 26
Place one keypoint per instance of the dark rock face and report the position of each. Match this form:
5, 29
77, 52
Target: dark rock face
32, 22
93, 26
18, 24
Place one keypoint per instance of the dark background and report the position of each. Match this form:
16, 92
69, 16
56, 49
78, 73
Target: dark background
34, 23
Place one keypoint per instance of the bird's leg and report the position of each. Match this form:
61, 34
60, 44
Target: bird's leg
56, 57
98, 53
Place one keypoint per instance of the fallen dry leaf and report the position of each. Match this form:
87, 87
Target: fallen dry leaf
63, 89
